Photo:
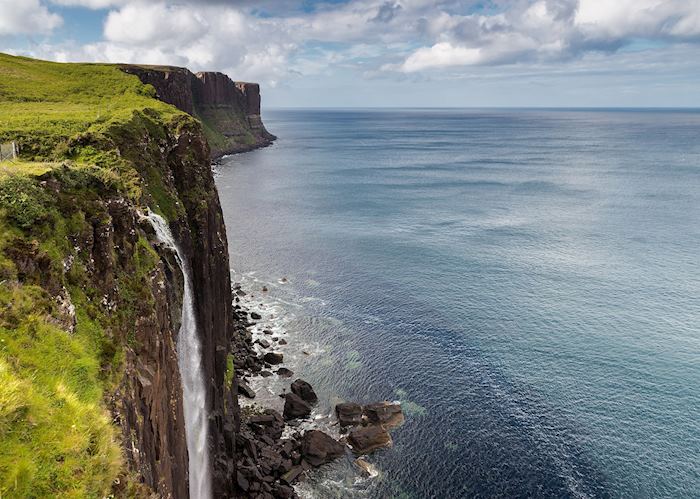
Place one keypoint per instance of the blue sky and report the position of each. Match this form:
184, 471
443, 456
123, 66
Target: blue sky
346, 53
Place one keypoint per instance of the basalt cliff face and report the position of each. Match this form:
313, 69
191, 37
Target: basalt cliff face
228, 110
90, 301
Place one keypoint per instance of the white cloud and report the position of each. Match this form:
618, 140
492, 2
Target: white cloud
552, 30
26, 17
90, 4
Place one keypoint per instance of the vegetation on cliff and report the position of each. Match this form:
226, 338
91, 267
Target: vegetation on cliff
77, 279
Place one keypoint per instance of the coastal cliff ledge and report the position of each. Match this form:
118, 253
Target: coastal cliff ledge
90, 301
228, 110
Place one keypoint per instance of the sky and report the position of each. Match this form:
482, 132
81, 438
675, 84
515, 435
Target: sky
376, 53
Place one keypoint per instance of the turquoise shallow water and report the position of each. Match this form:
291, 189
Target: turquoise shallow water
526, 282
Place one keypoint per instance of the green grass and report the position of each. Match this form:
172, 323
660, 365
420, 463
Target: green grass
44, 105
86, 132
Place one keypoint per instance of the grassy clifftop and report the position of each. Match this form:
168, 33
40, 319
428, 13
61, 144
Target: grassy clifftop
74, 282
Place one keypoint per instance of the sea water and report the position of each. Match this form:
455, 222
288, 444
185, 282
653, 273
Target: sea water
525, 282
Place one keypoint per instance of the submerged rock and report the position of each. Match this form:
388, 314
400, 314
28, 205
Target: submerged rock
285, 373
295, 407
384, 413
305, 391
349, 414
367, 439
282, 341
317, 448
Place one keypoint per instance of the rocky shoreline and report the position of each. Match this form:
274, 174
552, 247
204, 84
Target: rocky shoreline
273, 451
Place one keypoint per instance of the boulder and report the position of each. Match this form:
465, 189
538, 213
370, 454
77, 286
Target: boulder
267, 331
305, 391
349, 414
292, 475
285, 373
384, 413
295, 407
273, 358
263, 343
369, 438
244, 389
317, 448
282, 341
255, 316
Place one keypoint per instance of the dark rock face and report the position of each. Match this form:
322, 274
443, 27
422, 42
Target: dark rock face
173, 85
295, 407
304, 391
317, 448
349, 414
231, 109
368, 439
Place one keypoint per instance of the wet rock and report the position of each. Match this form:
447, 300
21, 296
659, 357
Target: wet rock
295, 407
368, 439
255, 316
292, 475
273, 358
263, 343
366, 469
304, 390
265, 374
384, 413
264, 289
349, 414
244, 389
317, 448
240, 292
285, 373
267, 331
282, 341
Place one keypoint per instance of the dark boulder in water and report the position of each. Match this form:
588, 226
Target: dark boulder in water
295, 407
317, 448
244, 389
367, 439
273, 358
285, 373
305, 391
349, 414
255, 316
263, 343
282, 341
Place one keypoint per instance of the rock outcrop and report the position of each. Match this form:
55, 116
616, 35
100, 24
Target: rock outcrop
229, 110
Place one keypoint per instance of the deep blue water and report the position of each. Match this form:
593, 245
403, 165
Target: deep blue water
526, 282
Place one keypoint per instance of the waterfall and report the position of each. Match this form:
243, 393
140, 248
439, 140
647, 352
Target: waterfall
189, 353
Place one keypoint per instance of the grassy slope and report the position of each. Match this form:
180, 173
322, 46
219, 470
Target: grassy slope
56, 439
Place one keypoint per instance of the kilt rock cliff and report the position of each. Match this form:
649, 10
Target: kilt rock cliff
113, 250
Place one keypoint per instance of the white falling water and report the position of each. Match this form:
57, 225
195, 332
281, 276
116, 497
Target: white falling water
189, 352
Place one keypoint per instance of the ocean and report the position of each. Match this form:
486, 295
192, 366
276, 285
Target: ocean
525, 282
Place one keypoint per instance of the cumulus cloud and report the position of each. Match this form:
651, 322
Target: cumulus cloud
26, 17
551, 30
271, 40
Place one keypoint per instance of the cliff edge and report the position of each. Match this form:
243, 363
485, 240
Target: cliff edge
90, 301
228, 110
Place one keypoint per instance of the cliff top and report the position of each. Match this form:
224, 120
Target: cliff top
46, 105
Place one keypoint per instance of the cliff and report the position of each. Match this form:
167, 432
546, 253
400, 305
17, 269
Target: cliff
90, 302
229, 111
